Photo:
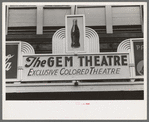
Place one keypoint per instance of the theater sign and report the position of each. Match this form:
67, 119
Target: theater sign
78, 67
75, 56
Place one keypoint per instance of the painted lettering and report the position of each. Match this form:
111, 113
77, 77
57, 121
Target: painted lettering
7, 63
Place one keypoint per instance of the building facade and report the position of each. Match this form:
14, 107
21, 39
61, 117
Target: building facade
36, 25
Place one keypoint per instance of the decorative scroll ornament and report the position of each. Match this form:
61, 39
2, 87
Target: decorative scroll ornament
124, 46
26, 48
91, 41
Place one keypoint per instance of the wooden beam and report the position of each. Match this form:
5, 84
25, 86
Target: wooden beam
22, 6
70, 87
48, 36
109, 28
6, 21
142, 17
39, 29
57, 7
73, 9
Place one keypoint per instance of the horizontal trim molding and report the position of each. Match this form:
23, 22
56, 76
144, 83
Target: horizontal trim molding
48, 36
57, 7
70, 87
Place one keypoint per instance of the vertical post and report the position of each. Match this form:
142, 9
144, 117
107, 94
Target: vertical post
6, 21
131, 62
39, 29
109, 28
142, 17
74, 9
74, 12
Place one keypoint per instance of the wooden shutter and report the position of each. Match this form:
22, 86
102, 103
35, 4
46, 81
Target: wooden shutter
19, 17
94, 16
126, 15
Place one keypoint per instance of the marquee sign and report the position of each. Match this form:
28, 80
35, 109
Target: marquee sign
81, 66
75, 67
21, 64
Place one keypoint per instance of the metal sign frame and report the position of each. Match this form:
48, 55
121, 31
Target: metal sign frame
73, 77
81, 26
132, 55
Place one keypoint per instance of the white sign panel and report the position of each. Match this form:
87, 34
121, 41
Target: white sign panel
75, 67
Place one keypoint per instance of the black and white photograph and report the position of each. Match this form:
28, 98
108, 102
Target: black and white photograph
88, 56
